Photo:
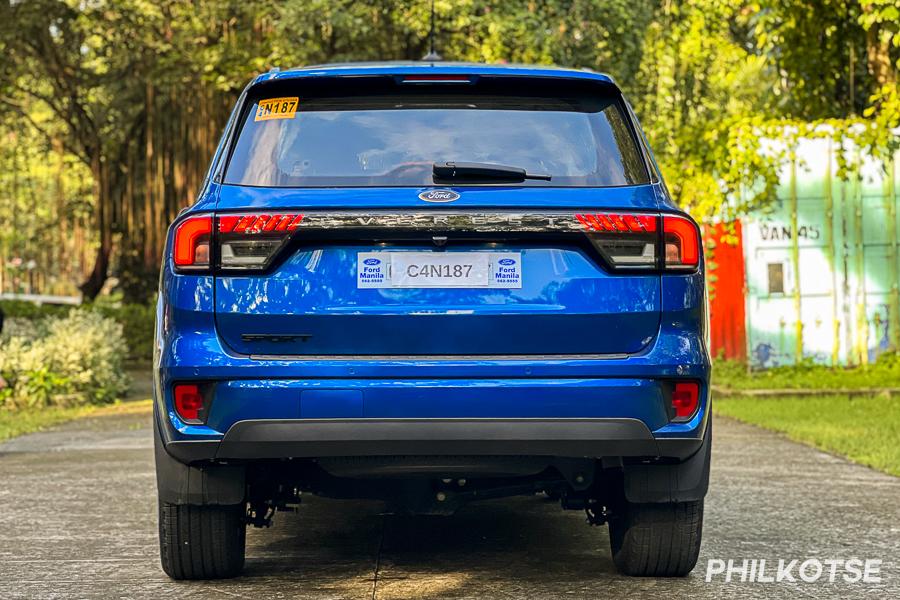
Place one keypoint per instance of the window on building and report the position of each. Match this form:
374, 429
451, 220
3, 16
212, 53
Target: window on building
776, 278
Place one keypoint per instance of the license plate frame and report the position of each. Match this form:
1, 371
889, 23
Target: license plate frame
439, 270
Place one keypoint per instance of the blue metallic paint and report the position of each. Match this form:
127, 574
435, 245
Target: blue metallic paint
568, 304
190, 348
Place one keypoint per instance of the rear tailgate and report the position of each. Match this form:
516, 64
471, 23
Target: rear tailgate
349, 281
328, 219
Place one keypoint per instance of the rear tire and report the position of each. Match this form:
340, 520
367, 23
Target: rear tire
201, 542
656, 540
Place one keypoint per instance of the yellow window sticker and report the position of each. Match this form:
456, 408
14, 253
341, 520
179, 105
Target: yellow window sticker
277, 108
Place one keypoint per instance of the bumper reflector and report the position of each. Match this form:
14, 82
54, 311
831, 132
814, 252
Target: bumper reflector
685, 398
189, 403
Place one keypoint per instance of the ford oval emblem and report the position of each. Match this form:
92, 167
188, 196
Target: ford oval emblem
438, 196
506, 262
372, 262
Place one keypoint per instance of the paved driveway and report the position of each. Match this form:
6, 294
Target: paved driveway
78, 520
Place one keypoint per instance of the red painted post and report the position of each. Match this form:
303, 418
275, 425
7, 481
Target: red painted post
728, 333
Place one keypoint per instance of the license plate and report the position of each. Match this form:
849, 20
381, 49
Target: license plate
439, 270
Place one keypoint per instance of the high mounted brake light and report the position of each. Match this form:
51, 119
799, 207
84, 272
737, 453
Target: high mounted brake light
631, 241
436, 79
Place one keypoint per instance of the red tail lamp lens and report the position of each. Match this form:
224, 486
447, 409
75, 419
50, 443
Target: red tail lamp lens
259, 223
192, 237
617, 222
682, 242
189, 403
685, 398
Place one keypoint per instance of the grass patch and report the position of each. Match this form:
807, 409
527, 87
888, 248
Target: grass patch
885, 373
19, 422
864, 429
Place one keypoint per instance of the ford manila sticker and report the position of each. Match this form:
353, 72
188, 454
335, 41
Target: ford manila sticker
438, 196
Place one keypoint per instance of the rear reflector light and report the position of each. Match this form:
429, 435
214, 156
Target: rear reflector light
190, 404
685, 398
192, 241
682, 239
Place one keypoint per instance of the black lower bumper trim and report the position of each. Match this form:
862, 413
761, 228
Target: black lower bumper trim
316, 438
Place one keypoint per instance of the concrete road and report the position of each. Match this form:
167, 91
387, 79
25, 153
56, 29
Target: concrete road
78, 520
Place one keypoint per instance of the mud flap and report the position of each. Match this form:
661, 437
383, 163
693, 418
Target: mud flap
682, 482
178, 483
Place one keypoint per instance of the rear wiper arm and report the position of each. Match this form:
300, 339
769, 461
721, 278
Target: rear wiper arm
469, 171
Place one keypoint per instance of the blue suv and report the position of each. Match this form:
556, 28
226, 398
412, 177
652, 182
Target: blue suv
428, 284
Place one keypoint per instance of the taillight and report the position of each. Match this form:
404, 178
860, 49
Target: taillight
192, 243
241, 241
626, 241
682, 240
251, 241
685, 398
190, 403
634, 241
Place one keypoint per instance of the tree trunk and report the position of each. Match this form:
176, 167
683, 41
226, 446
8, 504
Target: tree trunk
878, 54
103, 197
94, 282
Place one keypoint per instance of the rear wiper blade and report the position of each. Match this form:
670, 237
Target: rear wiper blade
469, 171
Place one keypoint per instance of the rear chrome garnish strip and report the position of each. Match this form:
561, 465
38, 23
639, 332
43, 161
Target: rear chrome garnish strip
451, 221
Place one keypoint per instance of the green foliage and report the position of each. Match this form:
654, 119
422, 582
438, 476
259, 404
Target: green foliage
137, 320
45, 211
116, 105
72, 360
884, 373
697, 84
805, 42
22, 309
864, 429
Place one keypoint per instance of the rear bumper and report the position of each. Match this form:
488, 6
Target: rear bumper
317, 438
215, 472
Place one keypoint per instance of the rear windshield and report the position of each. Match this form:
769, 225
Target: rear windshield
392, 136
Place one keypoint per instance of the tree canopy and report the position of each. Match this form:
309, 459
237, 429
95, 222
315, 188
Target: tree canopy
111, 109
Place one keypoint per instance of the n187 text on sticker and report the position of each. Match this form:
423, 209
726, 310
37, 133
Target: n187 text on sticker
277, 108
